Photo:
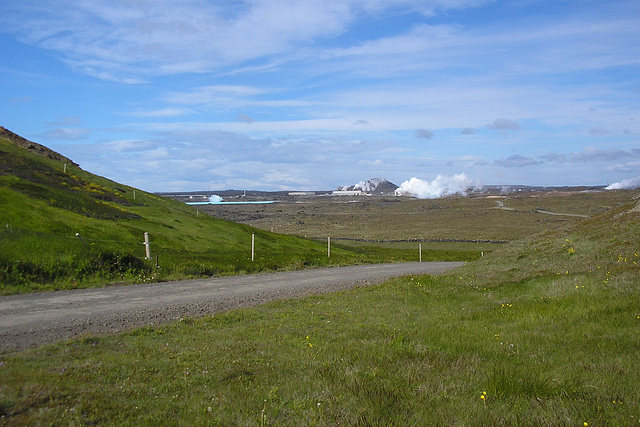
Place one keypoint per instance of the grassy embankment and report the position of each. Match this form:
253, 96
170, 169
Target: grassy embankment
544, 331
45, 203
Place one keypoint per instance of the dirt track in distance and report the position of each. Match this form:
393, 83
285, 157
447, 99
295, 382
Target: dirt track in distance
31, 320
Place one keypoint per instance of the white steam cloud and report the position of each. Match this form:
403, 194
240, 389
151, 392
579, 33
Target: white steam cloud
441, 186
625, 184
215, 199
370, 185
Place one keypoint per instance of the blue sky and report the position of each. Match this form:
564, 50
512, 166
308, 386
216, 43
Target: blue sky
184, 95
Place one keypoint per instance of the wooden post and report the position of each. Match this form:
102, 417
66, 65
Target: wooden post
253, 245
80, 237
328, 247
420, 250
147, 249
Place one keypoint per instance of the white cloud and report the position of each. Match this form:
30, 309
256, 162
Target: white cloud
376, 162
228, 160
503, 124
125, 40
624, 168
130, 145
163, 112
419, 39
130, 41
70, 134
263, 127
20, 100
516, 161
593, 154
245, 118
214, 93
555, 157
65, 121
423, 133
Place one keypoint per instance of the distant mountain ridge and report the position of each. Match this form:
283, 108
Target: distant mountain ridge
372, 186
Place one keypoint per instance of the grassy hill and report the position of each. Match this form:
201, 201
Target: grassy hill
63, 227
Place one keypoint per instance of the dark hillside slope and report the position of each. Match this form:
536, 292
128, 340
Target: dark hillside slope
64, 227
60, 186
33, 147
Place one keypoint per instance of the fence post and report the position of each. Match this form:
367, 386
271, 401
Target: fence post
328, 247
253, 245
147, 249
80, 237
420, 250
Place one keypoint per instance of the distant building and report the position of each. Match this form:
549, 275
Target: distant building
302, 193
347, 193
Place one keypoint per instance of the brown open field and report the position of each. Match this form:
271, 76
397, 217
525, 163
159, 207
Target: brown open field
483, 217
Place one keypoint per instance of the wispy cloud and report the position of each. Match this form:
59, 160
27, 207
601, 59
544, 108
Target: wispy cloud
69, 134
214, 93
163, 112
423, 133
225, 157
20, 100
65, 121
590, 154
599, 131
516, 161
504, 124
126, 40
245, 118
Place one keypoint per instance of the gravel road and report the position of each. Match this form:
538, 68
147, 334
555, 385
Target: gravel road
31, 320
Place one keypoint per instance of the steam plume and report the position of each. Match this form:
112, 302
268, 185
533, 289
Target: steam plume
625, 184
215, 199
440, 187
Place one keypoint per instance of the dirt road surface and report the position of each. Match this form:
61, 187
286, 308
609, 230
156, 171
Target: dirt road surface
31, 320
